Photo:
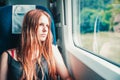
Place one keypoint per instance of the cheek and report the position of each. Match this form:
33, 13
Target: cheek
47, 30
39, 31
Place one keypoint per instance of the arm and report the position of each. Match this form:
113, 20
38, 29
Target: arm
3, 66
61, 68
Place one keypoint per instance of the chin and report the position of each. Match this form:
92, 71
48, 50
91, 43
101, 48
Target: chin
43, 39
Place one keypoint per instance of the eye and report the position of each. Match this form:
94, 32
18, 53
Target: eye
47, 25
41, 24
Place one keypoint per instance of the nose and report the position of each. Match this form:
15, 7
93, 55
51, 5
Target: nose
44, 29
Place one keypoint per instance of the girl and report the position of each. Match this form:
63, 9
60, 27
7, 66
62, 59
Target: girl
35, 58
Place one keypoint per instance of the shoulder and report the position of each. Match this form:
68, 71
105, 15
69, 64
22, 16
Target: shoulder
55, 50
9, 52
4, 58
54, 46
12, 52
4, 55
56, 53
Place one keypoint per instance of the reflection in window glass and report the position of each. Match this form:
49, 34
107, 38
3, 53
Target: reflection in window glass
97, 29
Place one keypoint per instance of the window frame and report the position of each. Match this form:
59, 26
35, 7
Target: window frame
102, 67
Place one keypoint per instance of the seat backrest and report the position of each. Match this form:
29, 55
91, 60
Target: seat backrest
9, 40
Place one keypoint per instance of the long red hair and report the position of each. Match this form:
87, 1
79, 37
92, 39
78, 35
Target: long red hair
31, 45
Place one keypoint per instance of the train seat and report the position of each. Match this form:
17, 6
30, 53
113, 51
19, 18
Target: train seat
7, 38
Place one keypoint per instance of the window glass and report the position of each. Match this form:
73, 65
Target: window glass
96, 27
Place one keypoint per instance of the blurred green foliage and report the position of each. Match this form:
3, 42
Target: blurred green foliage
104, 10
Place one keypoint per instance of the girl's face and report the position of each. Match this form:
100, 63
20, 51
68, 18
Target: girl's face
43, 28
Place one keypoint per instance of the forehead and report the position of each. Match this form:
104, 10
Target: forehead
44, 19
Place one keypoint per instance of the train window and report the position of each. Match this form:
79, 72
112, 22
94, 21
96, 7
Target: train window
96, 27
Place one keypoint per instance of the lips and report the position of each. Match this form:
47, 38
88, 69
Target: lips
43, 35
